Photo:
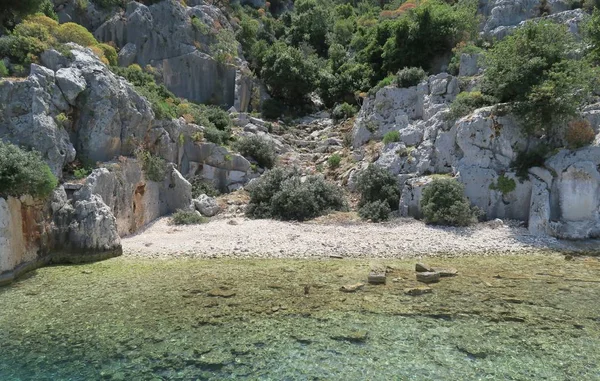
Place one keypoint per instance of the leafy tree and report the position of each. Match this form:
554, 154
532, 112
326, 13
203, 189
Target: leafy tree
444, 203
534, 69
311, 23
288, 74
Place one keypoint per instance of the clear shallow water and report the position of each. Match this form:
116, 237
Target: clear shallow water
125, 320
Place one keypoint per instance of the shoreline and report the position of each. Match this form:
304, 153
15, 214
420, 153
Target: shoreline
400, 238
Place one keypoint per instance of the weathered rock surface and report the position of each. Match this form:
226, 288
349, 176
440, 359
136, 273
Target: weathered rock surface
479, 150
206, 205
178, 41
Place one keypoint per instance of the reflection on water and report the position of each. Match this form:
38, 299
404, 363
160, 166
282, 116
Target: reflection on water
513, 318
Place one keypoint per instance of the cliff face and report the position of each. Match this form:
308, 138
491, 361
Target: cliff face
192, 47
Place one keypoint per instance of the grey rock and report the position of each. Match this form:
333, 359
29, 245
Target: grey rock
207, 206
71, 83
423, 268
428, 277
127, 54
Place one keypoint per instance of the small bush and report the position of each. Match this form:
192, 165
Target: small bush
528, 159
334, 160
387, 81
579, 134
110, 53
213, 135
467, 102
187, 217
375, 211
258, 148
343, 111
410, 76
154, 167
444, 203
272, 109
283, 194
391, 137
24, 172
71, 32
3, 69
201, 186
504, 185
81, 173
377, 185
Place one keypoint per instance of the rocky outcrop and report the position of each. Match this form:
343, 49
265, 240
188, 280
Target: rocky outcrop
559, 200
502, 17
181, 43
73, 106
57, 230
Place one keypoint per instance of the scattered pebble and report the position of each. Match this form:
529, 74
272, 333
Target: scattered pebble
352, 287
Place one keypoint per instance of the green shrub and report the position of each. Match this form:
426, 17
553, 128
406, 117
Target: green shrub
410, 76
334, 160
188, 217
81, 173
375, 211
535, 157
283, 194
259, 149
387, 81
24, 172
110, 53
534, 68
376, 184
3, 69
216, 136
272, 109
444, 203
391, 137
467, 102
154, 166
343, 111
71, 32
201, 186
504, 184
288, 74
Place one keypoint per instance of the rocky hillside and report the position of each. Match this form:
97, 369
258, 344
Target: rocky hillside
125, 103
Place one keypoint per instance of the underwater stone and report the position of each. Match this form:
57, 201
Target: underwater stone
416, 291
423, 268
428, 277
377, 278
446, 272
352, 287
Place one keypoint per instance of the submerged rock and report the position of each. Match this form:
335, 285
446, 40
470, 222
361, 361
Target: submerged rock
416, 291
352, 287
428, 277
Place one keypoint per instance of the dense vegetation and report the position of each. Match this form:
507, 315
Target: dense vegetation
284, 194
24, 172
341, 49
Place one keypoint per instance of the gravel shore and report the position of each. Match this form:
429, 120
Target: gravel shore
399, 238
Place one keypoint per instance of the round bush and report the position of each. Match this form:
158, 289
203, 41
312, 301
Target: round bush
375, 211
24, 172
444, 203
71, 32
377, 184
259, 149
410, 76
283, 194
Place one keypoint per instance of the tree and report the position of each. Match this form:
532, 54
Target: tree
311, 23
288, 74
12, 11
534, 69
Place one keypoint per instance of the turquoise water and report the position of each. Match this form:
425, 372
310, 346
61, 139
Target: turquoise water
122, 320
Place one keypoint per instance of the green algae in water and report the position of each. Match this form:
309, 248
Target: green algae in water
513, 318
